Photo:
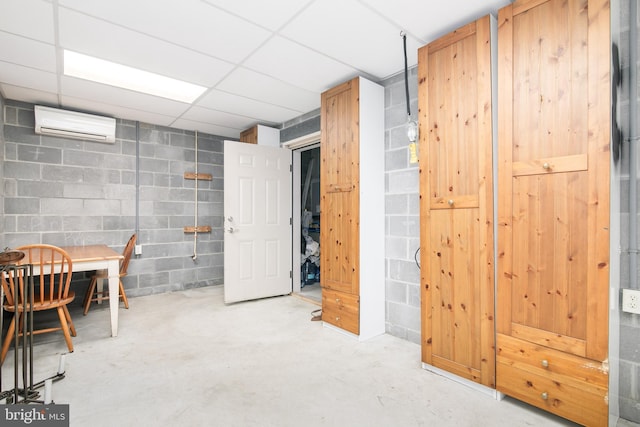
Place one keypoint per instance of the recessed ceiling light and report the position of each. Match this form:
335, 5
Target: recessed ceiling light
101, 71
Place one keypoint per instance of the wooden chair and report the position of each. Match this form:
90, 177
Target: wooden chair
96, 295
52, 270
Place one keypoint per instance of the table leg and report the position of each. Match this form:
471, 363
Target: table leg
114, 294
100, 286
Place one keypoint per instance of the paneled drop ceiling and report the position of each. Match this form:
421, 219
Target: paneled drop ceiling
261, 61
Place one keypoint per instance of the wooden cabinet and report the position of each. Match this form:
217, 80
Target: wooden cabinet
553, 206
456, 203
352, 207
262, 135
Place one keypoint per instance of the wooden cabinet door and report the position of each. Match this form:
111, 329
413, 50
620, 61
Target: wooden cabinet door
456, 203
554, 103
339, 188
553, 206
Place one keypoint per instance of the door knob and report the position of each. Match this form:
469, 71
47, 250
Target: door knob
546, 166
450, 202
230, 230
230, 219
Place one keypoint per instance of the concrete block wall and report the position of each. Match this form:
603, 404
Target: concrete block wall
73, 192
629, 350
402, 211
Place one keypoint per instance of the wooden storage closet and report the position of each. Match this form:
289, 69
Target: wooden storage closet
553, 206
456, 203
550, 345
352, 207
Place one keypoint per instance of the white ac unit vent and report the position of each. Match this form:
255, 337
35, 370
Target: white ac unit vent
71, 124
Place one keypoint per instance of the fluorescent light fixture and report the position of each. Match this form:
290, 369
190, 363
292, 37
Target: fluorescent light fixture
101, 71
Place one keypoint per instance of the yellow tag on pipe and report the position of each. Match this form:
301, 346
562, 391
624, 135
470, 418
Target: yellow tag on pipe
413, 153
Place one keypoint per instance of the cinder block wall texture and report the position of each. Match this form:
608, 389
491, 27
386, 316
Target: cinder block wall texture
629, 365
402, 211
73, 192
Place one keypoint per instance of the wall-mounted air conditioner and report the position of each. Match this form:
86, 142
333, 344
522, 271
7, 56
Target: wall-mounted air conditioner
71, 124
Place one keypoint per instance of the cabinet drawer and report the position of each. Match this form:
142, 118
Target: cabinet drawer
566, 385
544, 361
553, 395
341, 310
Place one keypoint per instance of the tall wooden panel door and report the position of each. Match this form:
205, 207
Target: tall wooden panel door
456, 203
553, 208
339, 206
352, 207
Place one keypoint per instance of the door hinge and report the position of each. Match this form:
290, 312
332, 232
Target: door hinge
290, 167
290, 274
290, 221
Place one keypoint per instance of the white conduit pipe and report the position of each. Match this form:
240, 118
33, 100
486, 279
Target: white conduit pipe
195, 216
633, 140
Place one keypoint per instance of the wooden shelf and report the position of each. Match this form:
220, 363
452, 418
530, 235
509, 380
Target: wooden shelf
201, 176
200, 229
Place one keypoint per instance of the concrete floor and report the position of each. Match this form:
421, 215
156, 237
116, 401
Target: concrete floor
187, 359
312, 292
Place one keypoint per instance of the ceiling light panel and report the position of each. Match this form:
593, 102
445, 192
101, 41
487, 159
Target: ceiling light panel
109, 73
104, 40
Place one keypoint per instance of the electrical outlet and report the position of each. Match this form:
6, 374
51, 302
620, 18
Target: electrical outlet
138, 250
631, 301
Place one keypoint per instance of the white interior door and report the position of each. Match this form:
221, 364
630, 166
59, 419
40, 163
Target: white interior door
257, 221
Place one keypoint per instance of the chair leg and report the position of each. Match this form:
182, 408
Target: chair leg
67, 315
89, 295
20, 321
123, 296
7, 339
65, 328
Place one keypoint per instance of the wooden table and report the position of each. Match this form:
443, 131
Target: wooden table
100, 257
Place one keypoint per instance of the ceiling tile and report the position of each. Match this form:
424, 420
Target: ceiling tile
297, 65
27, 52
268, 14
260, 87
428, 20
28, 95
96, 107
91, 36
111, 95
207, 128
28, 18
207, 115
356, 36
18, 75
191, 23
235, 104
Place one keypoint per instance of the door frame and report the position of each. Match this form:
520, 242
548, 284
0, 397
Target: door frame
297, 146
